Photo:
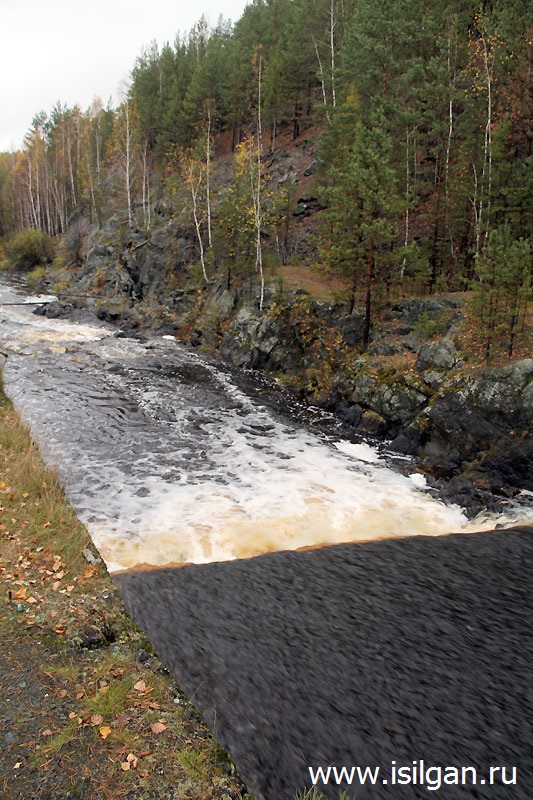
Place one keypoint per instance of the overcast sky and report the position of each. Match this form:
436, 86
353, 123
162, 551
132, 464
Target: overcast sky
69, 51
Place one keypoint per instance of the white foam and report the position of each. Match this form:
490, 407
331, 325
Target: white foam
418, 480
360, 451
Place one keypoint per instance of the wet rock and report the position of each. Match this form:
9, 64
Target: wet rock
485, 421
408, 441
373, 424
55, 310
512, 466
105, 315
351, 414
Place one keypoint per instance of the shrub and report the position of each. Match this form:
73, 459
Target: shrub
36, 275
29, 249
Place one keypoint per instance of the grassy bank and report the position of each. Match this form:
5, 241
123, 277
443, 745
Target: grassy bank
90, 711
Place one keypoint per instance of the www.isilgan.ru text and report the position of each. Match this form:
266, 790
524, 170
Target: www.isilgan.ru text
417, 773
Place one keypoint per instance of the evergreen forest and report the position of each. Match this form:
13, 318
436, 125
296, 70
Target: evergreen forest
419, 113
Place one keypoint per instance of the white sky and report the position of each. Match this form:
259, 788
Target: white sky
67, 51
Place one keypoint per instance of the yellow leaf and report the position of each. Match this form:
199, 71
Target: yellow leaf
130, 763
105, 730
158, 727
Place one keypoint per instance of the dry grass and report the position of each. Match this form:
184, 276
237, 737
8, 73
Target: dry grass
314, 280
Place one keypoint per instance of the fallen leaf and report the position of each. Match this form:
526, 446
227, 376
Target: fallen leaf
157, 727
21, 594
96, 719
105, 730
47, 732
140, 686
125, 766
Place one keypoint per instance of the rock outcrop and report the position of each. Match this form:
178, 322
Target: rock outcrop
432, 405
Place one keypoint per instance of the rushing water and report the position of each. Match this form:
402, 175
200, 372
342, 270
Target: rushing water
166, 458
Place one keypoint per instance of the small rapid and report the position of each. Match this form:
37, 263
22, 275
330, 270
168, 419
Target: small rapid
169, 458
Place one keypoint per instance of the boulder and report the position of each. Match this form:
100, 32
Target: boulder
373, 424
435, 358
250, 339
351, 328
484, 421
439, 355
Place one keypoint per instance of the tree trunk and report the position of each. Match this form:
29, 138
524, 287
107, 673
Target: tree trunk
368, 296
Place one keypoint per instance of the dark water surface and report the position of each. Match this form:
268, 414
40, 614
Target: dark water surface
410, 650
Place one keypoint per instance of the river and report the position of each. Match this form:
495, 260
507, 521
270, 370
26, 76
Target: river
171, 457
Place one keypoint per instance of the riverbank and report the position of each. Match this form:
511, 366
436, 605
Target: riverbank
421, 387
89, 711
